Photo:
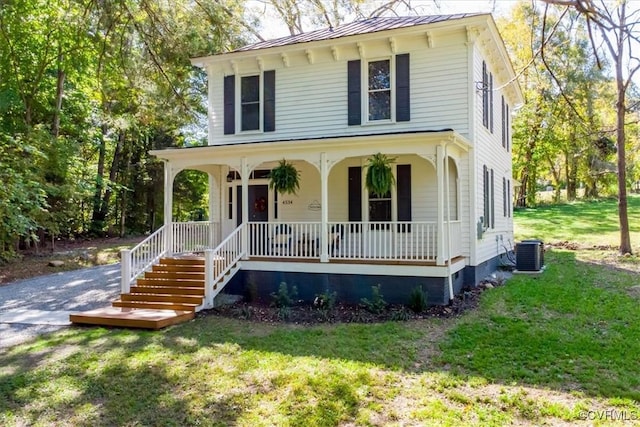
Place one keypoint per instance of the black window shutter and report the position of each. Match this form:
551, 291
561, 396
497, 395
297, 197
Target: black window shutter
485, 195
507, 125
504, 124
269, 101
354, 93
229, 105
493, 203
485, 99
403, 182
355, 193
504, 197
491, 102
403, 104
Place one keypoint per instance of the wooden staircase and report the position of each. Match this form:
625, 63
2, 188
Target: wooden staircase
170, 293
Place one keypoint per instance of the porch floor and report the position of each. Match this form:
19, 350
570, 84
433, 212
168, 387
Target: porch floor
356, 261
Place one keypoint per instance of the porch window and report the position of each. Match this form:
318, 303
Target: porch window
379, 90
250, 102
380, 207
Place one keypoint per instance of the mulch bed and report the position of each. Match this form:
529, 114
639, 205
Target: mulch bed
308, 314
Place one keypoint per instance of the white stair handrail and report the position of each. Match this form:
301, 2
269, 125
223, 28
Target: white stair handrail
219, 261
137, 260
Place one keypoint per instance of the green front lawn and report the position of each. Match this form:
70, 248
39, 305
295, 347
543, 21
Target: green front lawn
538, 350
588, 223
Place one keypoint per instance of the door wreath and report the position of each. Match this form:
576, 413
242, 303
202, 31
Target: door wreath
260, 205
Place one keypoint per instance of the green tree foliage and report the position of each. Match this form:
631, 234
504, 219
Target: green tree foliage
87, 89
566, 111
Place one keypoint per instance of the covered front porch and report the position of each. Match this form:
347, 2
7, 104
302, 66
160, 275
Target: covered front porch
332, 224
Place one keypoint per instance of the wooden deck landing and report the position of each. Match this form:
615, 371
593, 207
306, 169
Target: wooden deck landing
168, 294
132, 317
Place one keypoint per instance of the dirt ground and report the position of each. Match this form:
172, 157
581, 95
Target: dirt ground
75, 254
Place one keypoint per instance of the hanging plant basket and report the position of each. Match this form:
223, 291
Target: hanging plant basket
284, 178
380, 177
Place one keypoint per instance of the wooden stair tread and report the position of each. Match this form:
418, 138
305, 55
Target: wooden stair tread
182, 261
173, 290
189, 299
132, 317
159, 305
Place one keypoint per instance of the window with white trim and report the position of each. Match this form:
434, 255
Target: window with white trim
250, 103
378, 90
379, 93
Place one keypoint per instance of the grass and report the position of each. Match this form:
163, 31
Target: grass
561, 348
590, 223
539, 350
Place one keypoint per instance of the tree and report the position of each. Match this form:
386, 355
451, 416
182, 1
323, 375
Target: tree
619, 30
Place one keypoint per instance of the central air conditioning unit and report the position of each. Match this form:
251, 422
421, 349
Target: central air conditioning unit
529, 255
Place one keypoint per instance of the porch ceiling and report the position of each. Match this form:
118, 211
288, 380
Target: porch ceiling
422, 143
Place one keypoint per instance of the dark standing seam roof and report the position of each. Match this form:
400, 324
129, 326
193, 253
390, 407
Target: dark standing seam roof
370, 25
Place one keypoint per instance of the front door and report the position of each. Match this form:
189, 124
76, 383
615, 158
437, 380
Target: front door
258, 212
258, 204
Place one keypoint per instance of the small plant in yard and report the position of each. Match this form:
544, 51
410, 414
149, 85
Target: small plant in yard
284, 297
400, 315
284, 313
251, 292
326, 301
246, 312
418, 300
376, 304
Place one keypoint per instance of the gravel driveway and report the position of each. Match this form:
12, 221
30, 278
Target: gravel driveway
56, 294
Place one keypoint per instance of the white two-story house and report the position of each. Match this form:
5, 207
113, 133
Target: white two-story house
434, 93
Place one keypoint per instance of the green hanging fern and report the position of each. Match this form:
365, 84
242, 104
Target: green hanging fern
380, 177
284, 178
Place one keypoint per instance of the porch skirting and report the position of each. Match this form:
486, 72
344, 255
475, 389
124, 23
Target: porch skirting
351, 288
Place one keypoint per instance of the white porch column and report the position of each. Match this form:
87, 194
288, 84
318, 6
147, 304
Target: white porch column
214, 197
168, 208
244, 171
324, 204
440, 225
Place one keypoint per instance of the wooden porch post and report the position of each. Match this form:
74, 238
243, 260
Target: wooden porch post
168, 208
324, 203
440, 225
244, 171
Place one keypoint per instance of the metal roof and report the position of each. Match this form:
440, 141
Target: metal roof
370, 25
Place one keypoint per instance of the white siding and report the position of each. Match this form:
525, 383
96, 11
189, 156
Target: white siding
490, 152
311, 99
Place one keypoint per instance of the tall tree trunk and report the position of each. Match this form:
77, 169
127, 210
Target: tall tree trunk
106, 199
625, 239
55, 128
97, 220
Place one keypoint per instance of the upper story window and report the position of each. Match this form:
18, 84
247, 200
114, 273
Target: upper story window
254, 103
379, 90
250, 103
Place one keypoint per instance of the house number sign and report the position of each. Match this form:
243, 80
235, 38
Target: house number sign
287, 202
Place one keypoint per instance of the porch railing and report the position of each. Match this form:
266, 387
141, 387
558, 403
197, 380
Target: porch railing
137, 260
195, 236
286, 240
398, 240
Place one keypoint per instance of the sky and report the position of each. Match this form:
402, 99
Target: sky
272, 27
